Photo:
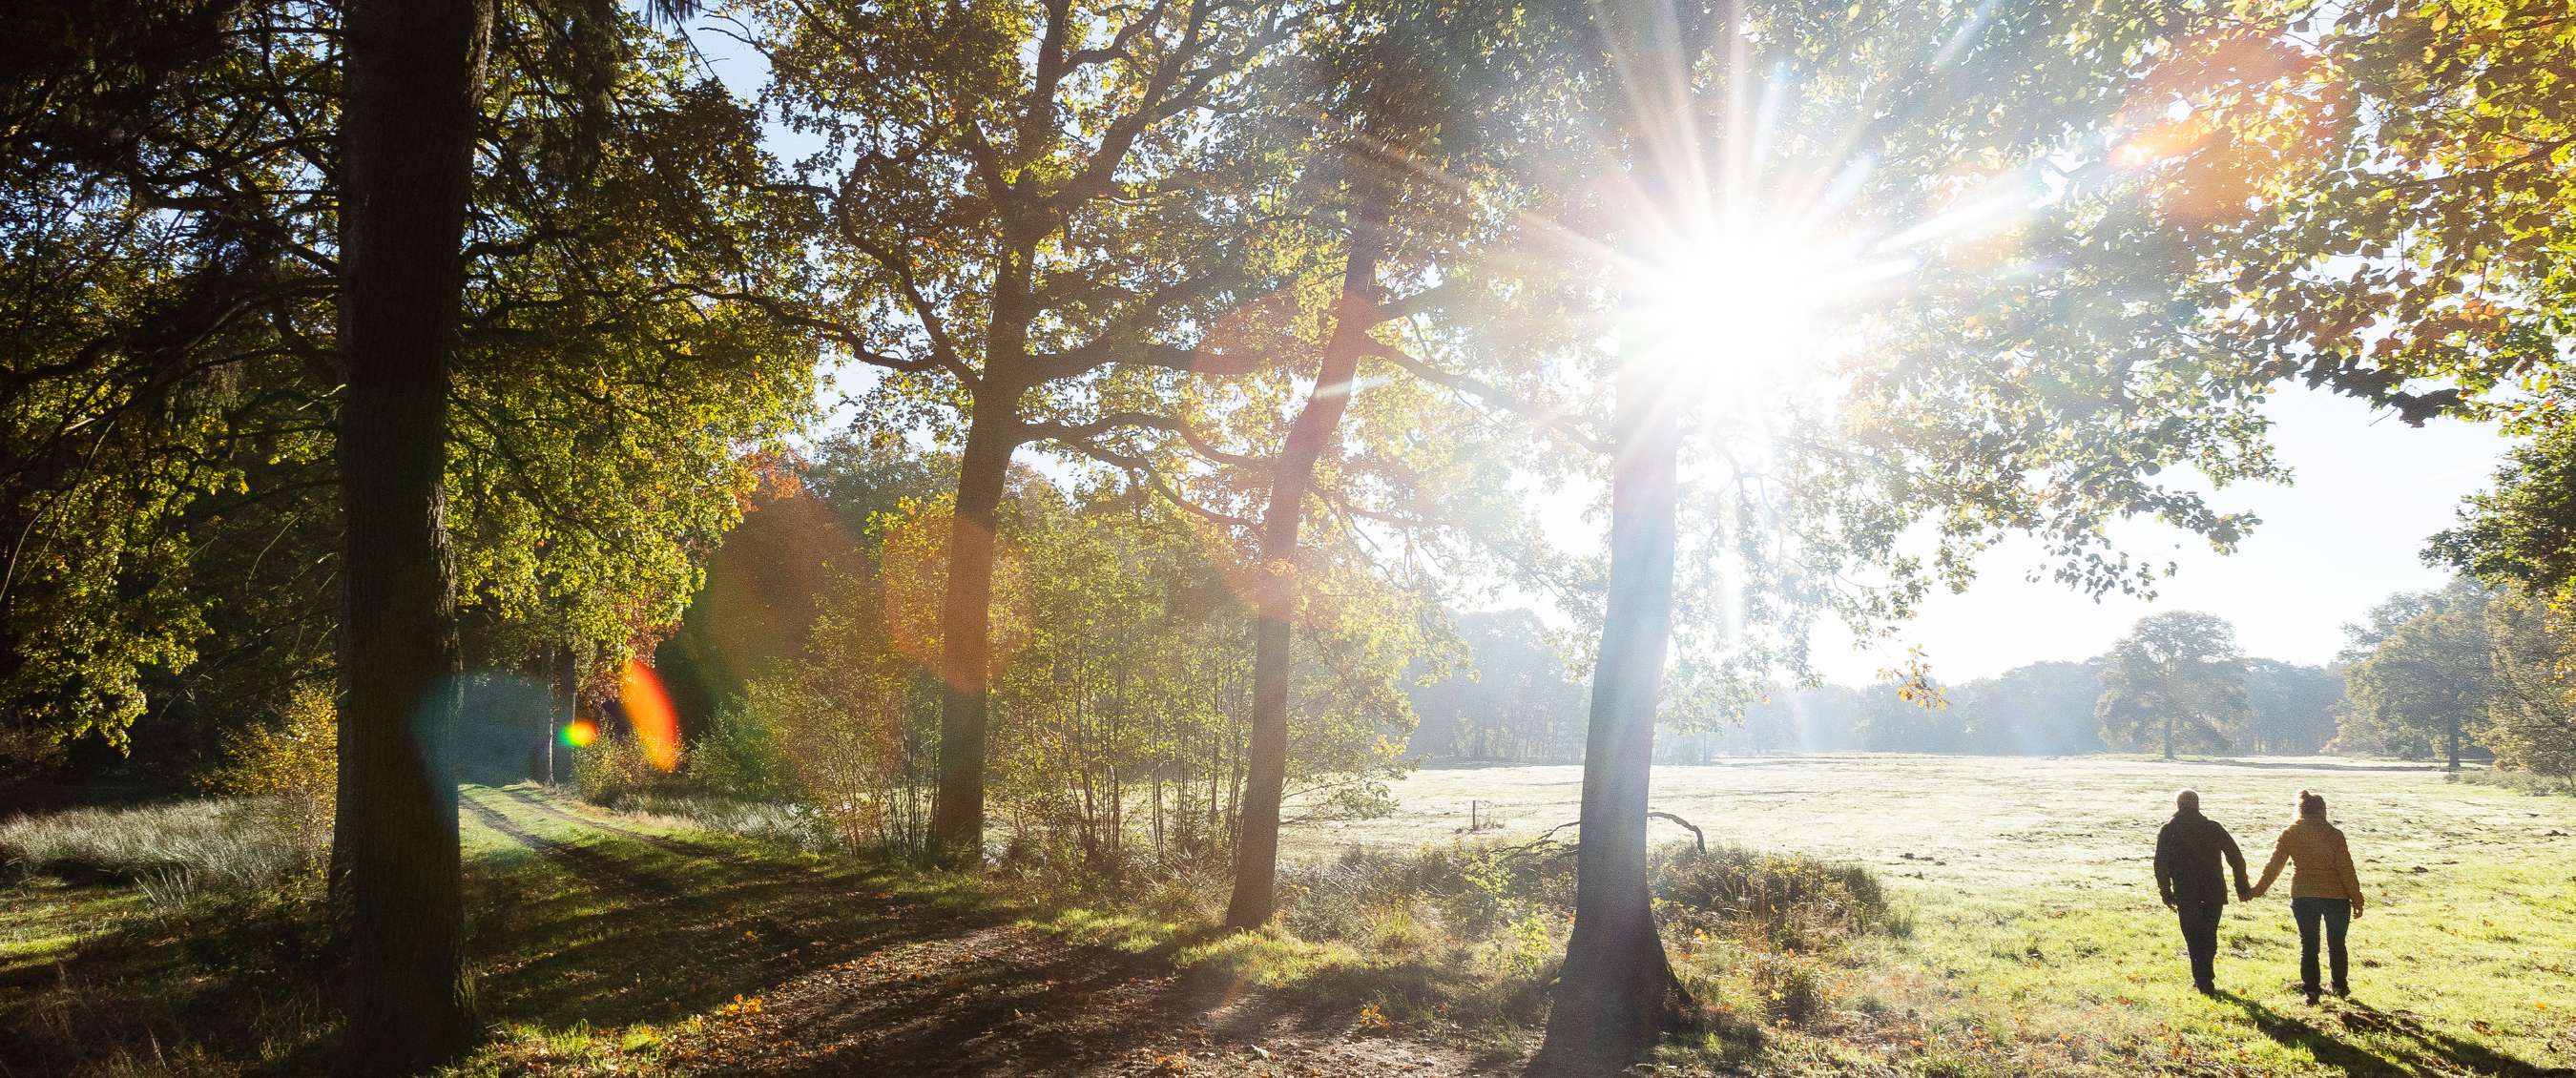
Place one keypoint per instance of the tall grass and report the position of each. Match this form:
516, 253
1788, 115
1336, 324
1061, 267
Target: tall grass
180, 849
796, 826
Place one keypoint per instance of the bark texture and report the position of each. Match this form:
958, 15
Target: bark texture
1613, 996
414, 72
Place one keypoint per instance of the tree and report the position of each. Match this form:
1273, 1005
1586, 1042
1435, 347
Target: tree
410, 115
2363, 637
2425, 688
2521, 537
1026, 247
2177, 679
1396, 80
1510, 703
606, 406
2531, 706
1972, 404
2524, 530
2040, 709
2425, 149
2290, 709
414, 76
142, 170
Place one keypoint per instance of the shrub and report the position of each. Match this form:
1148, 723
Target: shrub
288, 772
1784, 900
839, 739
740, 754
1795, 988
614, 768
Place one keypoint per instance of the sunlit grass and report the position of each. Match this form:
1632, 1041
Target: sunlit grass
2022, 937
2038, 946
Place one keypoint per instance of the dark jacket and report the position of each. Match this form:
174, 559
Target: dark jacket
2187, 853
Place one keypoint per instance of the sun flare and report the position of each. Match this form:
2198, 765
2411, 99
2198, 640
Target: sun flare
1746, 306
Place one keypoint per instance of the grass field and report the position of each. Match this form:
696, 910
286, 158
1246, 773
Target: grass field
2028, 941
2039, 944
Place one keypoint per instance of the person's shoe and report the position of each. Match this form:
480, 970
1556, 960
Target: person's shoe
2312, 997
2342, 992
2209, 990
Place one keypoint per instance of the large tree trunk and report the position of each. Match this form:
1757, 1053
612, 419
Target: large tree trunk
414, 73
1613, 995
966, 624
2169, 735
1256, 852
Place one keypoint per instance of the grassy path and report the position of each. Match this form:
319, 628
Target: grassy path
623, 944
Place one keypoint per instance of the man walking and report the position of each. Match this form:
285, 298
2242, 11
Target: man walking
2188, 876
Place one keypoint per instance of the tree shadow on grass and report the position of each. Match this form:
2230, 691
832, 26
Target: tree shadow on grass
592, 928
1025, 1004
604, 926
611, 931
2411, 1047
237, 979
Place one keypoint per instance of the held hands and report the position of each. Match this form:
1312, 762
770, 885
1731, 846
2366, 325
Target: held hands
2244, 893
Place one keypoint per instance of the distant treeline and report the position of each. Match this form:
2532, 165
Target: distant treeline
2462, 672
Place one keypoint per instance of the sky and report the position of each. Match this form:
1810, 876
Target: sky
2367, 491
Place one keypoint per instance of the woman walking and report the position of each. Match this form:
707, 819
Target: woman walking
2325, 889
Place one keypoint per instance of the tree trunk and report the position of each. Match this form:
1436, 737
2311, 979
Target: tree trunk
567, 699
2169, 735
1613, 994
1256, 852
2452, 730
414, 73
966, 626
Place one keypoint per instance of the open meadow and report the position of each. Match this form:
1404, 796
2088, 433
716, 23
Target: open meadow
2035, 917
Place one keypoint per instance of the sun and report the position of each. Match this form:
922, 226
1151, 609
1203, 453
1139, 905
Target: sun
1744, 306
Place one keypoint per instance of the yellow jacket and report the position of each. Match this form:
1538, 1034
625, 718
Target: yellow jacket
2323, 860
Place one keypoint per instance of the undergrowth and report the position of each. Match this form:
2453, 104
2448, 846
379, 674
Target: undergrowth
2524, 781
1464, 939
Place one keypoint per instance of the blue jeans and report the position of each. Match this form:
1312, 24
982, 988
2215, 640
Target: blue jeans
2335, 916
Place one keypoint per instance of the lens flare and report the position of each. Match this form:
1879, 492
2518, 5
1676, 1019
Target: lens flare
579, 733
648, 710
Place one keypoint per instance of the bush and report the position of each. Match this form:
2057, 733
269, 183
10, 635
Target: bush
839, 734
1784, 900
288, 772
1795, 988
740, 754
614, 768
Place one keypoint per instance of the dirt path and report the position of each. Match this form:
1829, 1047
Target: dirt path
853, 981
